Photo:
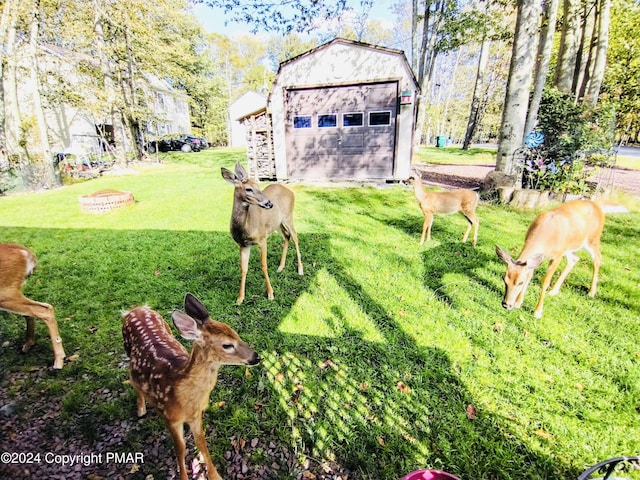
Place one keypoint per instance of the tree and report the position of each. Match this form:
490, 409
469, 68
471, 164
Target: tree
518, 85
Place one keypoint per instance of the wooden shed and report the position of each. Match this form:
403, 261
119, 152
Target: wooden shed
344, 110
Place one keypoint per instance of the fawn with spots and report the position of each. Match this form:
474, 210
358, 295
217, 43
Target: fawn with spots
16, 264
176, 381
464, 201
255, 215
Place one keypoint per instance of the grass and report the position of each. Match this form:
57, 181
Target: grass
487, 156
375, 359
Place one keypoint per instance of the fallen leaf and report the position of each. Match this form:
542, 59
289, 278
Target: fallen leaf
498, 327
134, 468
220, 404
472, 413
73, 358
579, 386
544, 434
279, 377
156, 273
363, 387
380, 441
327, 363
403, 387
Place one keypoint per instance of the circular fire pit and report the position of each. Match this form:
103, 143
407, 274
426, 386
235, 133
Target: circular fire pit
105, 200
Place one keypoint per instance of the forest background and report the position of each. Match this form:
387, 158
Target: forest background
482, 66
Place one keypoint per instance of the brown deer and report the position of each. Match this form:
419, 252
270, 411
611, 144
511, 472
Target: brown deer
177, 382
464, 201
555, 234
255, 215
16, 264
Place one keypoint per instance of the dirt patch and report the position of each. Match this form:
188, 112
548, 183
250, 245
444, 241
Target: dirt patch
471, 176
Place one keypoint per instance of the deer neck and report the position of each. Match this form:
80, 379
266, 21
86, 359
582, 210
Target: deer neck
418, 191
200, 371
241, 222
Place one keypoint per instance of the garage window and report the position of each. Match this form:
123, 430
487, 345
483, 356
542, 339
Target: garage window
302, 121
327, 120
378, 119
352, 119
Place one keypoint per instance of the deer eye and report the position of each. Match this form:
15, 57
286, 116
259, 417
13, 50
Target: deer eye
228, 347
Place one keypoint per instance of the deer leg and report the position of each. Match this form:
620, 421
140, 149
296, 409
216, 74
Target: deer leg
545, 285
286, 235
177, 433
244, 266
572, 259
201, 443
473, 222
30, 308
294, 234
426, 227
31, 332
265, 270
142, 405
596, 257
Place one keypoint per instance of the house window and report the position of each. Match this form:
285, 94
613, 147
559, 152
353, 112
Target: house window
377, 119
302, 121
352, 119
161, 102
327, 120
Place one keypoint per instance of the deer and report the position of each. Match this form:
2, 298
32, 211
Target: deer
464, 201
17, 263
555, 234
255, 215
176, 381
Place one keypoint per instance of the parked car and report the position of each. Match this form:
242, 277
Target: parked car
176, 142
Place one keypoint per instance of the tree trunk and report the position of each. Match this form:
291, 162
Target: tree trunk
602, 45
542, 65
45, 155
16, 154
476, 108
567, 54
518, 84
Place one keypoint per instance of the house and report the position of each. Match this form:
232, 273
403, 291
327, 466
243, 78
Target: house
241, 107
344, 110
82, 127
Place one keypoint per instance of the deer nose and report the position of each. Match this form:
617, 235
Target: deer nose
268, 204
507, 306
254, 360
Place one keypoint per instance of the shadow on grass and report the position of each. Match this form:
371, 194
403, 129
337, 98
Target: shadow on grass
377, 408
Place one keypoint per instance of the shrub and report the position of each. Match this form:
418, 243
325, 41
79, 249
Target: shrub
577, 142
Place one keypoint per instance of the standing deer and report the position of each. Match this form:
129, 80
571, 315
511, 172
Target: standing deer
255, 215
177, 382
16, 264
464, 201
553, 234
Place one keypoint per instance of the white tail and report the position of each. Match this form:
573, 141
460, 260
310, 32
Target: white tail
177, 382
255, 215
553, 234
464, 201
16, 264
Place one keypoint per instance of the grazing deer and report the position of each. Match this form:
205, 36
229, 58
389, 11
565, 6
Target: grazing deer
464, 201
255, 215
16, 264
553, 234
177, 382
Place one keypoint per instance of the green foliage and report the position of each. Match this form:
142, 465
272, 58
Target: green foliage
577, 141
370, 360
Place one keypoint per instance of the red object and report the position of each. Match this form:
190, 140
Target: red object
429, 475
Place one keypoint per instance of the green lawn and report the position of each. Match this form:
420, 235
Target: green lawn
383, 358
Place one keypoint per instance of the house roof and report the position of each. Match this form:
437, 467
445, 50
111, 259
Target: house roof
348, 43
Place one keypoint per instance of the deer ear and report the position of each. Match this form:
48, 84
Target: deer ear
503, 255
186, 325
241, 173
228, 175
195, 308
535, 261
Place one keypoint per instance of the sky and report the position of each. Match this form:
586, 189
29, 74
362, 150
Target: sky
213, 19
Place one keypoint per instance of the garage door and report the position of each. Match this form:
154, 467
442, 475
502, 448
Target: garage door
341, 132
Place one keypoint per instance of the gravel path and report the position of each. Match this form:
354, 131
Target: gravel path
471, 176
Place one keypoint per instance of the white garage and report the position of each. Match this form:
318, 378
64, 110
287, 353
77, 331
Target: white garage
344, 110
